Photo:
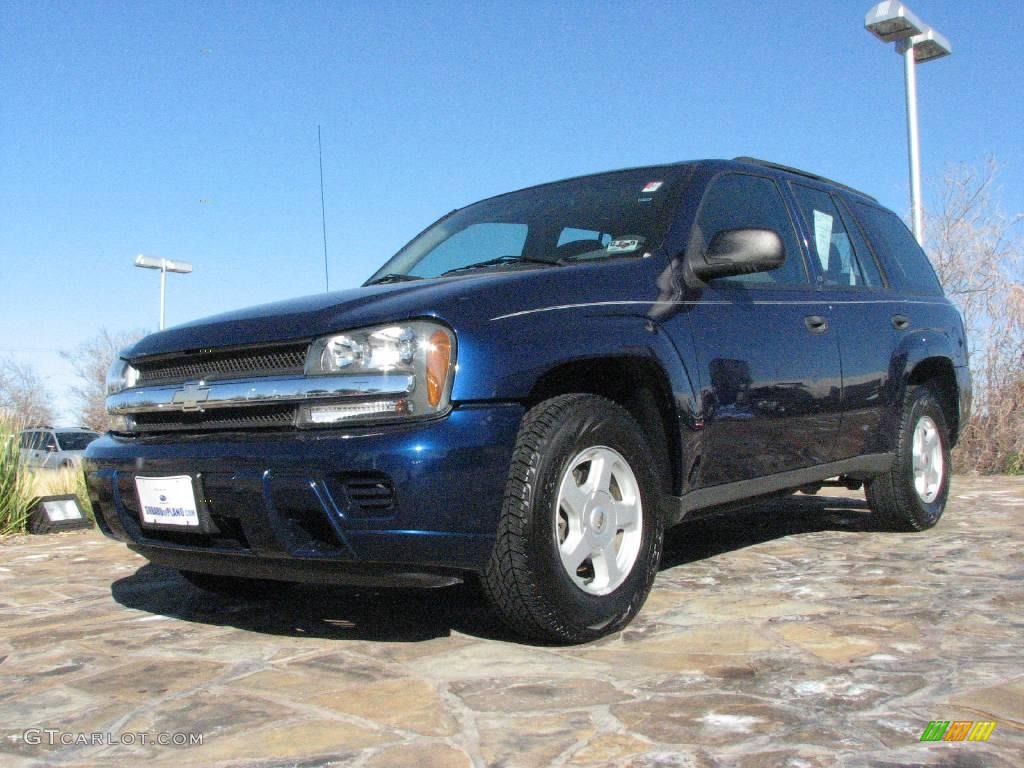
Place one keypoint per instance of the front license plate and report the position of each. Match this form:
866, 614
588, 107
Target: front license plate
167, 501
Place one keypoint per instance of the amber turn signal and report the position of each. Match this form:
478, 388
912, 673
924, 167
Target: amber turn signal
439, 355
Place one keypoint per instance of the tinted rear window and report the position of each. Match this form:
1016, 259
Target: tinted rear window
899, 251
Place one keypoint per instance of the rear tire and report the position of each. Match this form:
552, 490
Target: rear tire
911, 496
236, 586
579, 539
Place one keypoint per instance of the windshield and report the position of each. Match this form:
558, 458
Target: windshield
75, 441
594, 217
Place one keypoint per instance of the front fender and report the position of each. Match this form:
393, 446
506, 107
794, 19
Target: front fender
504, 358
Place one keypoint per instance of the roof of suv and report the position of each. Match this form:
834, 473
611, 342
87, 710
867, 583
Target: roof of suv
743, 159
798, 172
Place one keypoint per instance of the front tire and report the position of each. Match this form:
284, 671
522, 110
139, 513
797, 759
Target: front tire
579, 539
911, 496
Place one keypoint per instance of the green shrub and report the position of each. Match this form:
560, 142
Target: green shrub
1016, 465
16, 493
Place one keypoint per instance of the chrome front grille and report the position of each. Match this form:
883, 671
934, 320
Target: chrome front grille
280, 360
245, 388
227, 418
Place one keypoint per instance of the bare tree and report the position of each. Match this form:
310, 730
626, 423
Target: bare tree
91, 360
979, 255
23, 395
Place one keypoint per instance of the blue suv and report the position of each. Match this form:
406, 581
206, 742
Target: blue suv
535, 387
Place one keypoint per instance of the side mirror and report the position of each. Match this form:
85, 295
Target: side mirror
740, 252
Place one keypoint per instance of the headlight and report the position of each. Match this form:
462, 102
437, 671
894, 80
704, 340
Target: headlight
417, 357
120, 376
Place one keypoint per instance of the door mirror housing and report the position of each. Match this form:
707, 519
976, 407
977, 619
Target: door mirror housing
739, 252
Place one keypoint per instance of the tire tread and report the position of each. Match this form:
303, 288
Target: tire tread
890, 495
508, 582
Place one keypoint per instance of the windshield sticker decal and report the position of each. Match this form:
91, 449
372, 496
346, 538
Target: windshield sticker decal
625, 244
651, 186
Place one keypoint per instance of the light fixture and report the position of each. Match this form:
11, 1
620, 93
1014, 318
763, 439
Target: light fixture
929, 45
891, 21
57, 513
165, 266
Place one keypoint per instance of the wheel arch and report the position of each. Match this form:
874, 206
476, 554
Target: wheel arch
625, 357
940, 374
927, 358
637, 383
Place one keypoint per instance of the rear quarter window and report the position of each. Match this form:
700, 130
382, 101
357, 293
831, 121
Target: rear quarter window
903, 258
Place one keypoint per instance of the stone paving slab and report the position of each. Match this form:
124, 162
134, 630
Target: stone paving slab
789, 634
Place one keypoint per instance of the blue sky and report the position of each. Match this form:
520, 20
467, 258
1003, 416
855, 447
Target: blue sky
189, 130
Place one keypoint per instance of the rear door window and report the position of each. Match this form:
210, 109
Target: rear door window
832, 242
905, 262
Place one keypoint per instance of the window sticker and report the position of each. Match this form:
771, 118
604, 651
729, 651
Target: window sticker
625, 244
651, 186
822, 236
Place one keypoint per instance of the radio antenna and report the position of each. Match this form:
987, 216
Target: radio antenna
323, 210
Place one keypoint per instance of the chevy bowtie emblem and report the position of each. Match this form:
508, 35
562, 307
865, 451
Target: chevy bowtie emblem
190, 396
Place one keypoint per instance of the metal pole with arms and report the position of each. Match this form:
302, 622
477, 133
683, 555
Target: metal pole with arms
165, 266
893, 22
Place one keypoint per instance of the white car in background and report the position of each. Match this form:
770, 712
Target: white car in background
55, 447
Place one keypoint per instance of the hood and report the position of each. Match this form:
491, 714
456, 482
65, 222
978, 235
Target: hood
458, 300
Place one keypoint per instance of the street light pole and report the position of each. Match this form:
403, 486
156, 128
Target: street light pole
913, 139
893, 22
165, 266
163, 294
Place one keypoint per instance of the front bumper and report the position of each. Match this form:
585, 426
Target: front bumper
341, 505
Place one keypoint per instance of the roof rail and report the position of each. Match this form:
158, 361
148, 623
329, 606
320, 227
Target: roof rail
798, 172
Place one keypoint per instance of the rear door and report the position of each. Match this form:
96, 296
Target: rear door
860, 308
768, 357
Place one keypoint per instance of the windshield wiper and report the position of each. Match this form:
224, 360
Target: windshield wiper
503, 260
392, 277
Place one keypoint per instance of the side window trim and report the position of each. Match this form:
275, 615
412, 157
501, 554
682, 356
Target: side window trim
725, 285
846, 211
811, 265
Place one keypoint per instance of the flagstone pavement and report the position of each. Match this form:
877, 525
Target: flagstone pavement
793, 633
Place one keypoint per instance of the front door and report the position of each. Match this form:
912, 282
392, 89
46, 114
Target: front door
767, 355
